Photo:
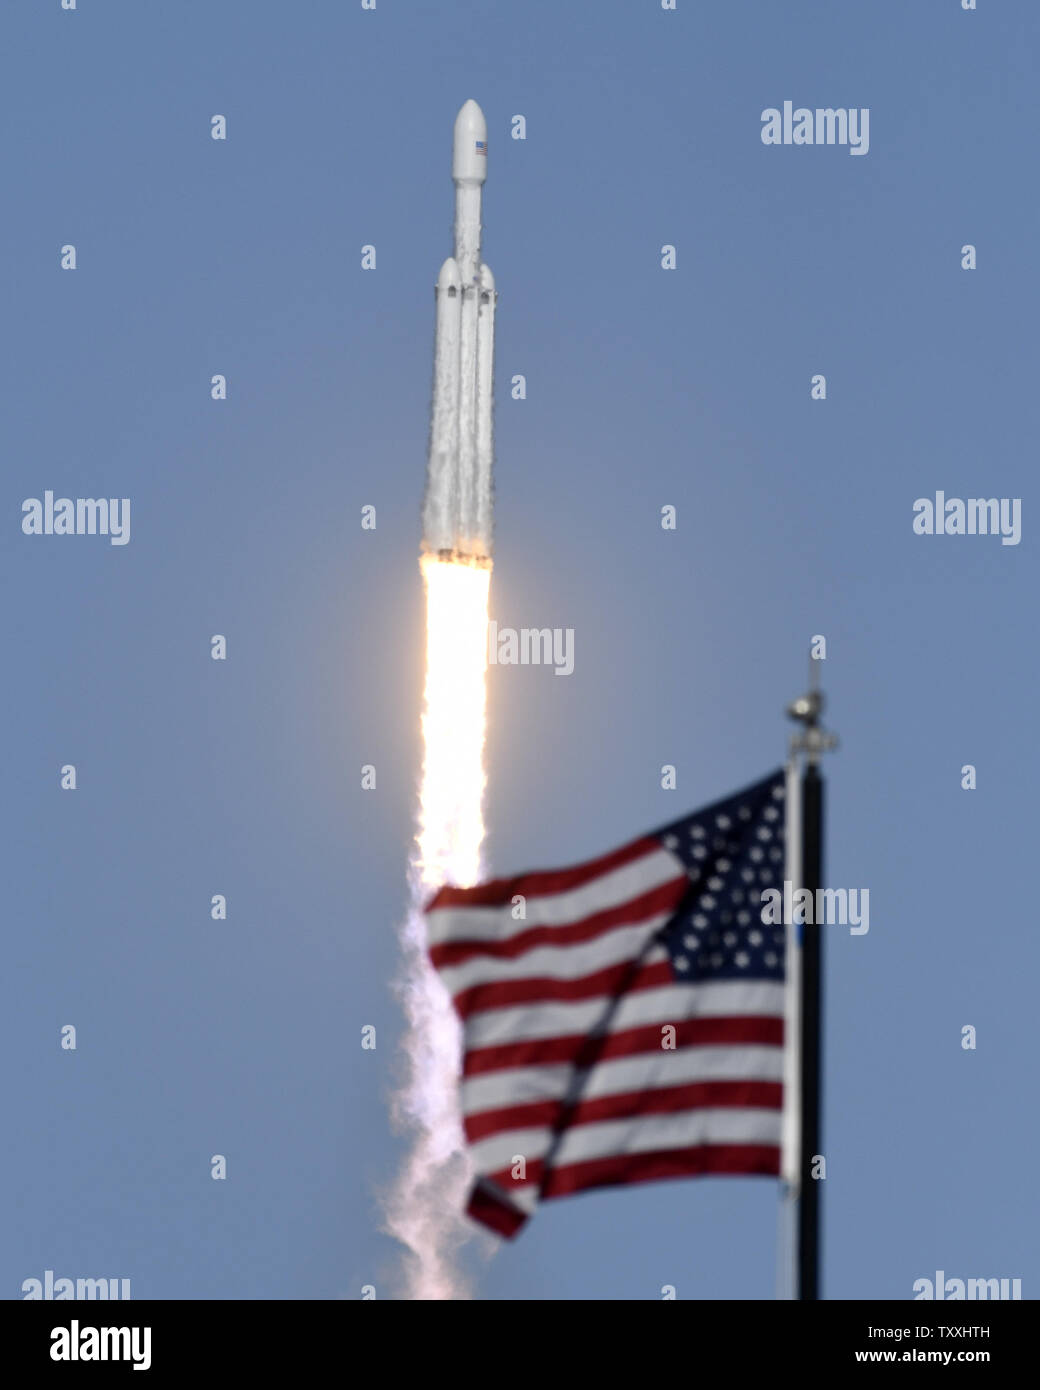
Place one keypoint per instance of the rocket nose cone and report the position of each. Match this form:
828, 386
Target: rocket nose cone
449, 278
471, 116
487, 280
469, 161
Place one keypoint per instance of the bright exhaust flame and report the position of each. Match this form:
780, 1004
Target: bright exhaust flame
451, 822
425, 1209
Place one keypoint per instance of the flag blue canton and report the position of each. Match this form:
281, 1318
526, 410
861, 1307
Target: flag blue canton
732, 852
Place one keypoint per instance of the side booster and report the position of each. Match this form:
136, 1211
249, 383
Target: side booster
457, 516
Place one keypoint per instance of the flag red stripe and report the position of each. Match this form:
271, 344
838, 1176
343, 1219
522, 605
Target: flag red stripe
664, 898
652, 1166
695, 1095
497, 1216
583, 1049
665, 1163
499, 892
498, 994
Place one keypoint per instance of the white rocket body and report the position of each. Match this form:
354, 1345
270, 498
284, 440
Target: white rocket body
457, 509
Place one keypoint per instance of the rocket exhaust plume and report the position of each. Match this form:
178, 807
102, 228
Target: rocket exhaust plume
426, 1205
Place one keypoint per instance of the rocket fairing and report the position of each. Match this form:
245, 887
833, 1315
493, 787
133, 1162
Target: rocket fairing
457, 509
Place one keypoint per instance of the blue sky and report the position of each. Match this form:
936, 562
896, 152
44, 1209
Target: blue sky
644, 388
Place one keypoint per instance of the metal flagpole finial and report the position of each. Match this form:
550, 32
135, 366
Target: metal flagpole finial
812, 739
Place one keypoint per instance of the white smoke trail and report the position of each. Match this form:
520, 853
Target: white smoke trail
425, 1207
426, 1204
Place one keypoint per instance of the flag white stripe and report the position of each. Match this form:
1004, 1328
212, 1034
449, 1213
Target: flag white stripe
642, 1134
643, 1072
679, 1131
666, 1004
556, 962
611, 890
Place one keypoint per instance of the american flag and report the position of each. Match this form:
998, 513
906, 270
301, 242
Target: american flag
623, 1020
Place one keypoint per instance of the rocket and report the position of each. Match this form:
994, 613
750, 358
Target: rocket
457, 507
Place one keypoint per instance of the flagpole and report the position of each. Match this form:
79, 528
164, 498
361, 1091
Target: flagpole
812, 742
812, 966
787, 1216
